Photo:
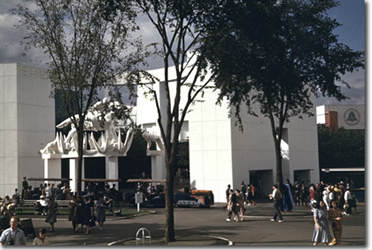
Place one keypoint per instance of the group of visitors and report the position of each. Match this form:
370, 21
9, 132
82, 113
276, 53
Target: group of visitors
328, 202
61, 191
339, 192
86, 212
235, 204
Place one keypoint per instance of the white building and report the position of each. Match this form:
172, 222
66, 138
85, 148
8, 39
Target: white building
346, 116
27, 122
220, 154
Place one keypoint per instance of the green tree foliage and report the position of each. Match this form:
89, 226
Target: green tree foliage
274, 56
87, 48
341, 148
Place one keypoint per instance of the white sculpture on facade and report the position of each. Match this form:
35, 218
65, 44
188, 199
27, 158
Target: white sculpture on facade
153, 138
97, 120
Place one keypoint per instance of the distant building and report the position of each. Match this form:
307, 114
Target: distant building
349, 117
337, 116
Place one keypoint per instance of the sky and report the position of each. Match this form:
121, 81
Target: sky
350, 14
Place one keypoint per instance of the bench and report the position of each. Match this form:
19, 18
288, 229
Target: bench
27, 204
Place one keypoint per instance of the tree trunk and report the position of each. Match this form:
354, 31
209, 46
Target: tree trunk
279, 168
80, 133
169, 201
278, 154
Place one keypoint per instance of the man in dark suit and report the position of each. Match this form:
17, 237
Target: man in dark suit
277, 197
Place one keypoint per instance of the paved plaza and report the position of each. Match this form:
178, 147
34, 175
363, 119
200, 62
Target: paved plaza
209, 223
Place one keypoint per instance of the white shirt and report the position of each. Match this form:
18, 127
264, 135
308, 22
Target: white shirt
43, 202
347, 195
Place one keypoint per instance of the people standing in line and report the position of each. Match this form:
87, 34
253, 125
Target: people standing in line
24, 188
276, 195
232, 206
13, 235
87, 213
101, 209
321, 232
51, 217
41, 239
335, 216
240, 204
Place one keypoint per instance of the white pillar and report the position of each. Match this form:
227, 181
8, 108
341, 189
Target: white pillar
73, 165
158, 171
52, 168
112, 169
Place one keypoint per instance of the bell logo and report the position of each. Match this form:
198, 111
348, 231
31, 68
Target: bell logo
352, 117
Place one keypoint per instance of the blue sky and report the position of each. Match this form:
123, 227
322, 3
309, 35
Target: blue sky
351, 14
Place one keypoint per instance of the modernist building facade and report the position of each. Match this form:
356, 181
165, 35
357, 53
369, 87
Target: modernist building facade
27, 123
221, 154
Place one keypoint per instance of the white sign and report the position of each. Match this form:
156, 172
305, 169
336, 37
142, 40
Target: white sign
139, 197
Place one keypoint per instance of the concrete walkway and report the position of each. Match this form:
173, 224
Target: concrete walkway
194, 226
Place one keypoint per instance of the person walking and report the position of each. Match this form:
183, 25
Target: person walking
243, 189
335, 216
87, 212
227, 192
101, 209
321, 231
13, 235
41, 239
51, 217
72, 213
240, 204
232, 206
276, 195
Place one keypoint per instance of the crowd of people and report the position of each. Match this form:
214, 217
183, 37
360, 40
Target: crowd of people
84, 211
328, 203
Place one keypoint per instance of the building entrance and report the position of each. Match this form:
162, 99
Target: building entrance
302, 176
263, 181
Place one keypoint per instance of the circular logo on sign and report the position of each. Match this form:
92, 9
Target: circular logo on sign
351, 117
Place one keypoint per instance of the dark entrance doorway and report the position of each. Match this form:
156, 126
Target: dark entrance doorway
95, 168
263, 181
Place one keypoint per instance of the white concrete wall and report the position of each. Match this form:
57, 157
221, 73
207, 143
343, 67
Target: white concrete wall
253, 149
210, 146
27, 123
